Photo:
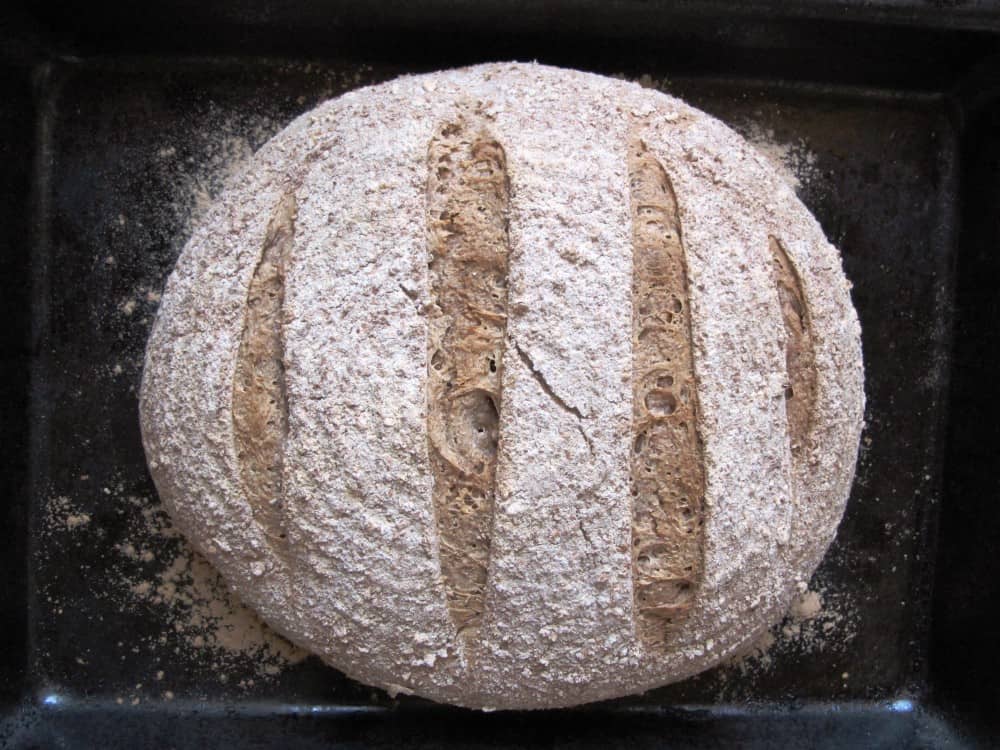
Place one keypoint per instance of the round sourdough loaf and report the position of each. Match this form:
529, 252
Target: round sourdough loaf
509, 386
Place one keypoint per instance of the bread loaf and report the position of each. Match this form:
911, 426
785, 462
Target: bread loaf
509, 386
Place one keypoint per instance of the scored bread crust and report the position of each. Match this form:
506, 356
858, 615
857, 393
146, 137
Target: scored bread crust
353, 570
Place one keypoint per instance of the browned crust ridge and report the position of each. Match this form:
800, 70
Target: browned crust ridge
468, 197
260, 408
668, 476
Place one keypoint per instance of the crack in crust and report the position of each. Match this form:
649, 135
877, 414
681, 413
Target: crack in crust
467, 220
668, 479
556, 399
800, 358
260, 409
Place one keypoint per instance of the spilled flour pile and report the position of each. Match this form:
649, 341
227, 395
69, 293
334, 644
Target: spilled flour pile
792, 159
158, 573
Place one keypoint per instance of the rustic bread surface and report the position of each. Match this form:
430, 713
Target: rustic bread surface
509, 386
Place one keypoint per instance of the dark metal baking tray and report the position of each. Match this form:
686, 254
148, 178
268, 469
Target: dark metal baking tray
895, 106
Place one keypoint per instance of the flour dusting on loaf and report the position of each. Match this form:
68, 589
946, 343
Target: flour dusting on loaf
508, 386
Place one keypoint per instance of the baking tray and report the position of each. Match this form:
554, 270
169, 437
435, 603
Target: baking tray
118, 126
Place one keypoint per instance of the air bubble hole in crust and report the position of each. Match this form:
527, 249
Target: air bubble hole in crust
661, 403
